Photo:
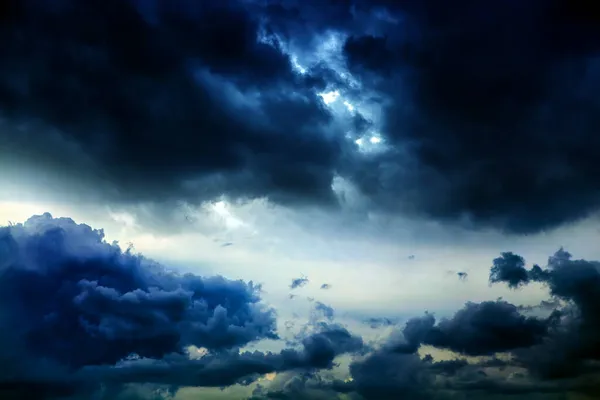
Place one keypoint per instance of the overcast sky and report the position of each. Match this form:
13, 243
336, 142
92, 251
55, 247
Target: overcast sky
310, 199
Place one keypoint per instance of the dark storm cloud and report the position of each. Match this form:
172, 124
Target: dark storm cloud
490, 107
79, 300
83, 313
509, 268
548, 357
477, 329
489, 112
574, 345
162, 100
397, 371
77, 306
75, 300
220, 370
384, 375
482, 329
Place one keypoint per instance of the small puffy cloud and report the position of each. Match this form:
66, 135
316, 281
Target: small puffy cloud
299, 282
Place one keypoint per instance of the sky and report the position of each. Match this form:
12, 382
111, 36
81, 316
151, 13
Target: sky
285, 199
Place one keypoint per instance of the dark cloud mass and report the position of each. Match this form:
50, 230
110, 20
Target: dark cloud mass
509, 268
318, 351
573, 346
489, 112
81, 301
487, 115
550, 357
166, 100
493, 105
89, 320
77, 306
479, 329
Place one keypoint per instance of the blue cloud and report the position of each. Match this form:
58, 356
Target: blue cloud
84, 312
299, 282
76, 299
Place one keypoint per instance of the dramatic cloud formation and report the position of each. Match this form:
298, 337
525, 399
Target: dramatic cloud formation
481, 102
374, 116
77, 306
478, 329
477, 104
509, 268
82, 301
517, 355
319, 351
194, 101
573, 347
85, 315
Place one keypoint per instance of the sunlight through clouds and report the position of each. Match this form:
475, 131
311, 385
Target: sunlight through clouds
330, 97
259, 199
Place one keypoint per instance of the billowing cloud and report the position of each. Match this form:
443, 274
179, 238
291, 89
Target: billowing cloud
82, 311
318, 352
88, 318
573, 346
484, 115
476, 106
490, 110
499, 350
509, 268
77, 299
195, 101
479, 329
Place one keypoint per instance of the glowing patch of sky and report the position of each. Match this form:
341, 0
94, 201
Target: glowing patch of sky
297, 66
221, 209
427, 282
370, 143
330, 97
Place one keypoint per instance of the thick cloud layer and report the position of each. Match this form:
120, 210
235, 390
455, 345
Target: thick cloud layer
87, 318
454, 111
550, 356
318, 352
491, 109
82, 312
487, 113
74, 298
478, 329
165, 100
574, 346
